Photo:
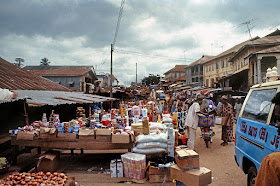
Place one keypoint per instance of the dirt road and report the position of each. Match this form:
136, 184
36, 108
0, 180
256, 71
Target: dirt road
220, 159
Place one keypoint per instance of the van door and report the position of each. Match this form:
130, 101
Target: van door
254, 137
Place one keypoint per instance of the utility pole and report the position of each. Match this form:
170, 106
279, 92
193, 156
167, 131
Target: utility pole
136, 73
111, 77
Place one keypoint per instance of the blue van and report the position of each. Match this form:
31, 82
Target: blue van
255, 133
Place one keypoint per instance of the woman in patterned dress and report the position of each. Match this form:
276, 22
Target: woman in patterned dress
226, 110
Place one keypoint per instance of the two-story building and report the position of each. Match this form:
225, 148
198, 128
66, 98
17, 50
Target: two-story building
194, 71
77, 78
253, 59
174, 73
220, 66
104, 80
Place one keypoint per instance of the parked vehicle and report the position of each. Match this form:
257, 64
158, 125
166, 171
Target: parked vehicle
207, 135
160, 94
255, 133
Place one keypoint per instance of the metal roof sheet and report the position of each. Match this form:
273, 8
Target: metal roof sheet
15, 78
40, 97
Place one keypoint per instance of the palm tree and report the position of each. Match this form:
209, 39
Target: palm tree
45, 62
19, 61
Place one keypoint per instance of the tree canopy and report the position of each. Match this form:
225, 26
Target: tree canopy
19, 62
45, 62
151, 79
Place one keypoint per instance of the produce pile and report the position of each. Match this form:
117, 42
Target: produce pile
35, 179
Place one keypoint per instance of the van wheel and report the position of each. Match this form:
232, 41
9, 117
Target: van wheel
252, 174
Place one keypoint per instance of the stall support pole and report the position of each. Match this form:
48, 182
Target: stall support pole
72, 152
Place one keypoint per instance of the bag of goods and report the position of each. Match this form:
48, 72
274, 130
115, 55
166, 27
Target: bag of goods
151, 138
149, 151
151, 144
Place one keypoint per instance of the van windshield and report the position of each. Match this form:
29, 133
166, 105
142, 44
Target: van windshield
258, 106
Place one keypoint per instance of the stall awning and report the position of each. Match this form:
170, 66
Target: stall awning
37, 98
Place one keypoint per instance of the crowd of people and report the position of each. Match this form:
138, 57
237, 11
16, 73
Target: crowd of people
204, 104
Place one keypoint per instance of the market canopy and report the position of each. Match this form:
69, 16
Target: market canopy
37, 98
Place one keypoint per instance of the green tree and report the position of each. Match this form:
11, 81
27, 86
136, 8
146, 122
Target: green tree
45, 62
19, 62
151, 79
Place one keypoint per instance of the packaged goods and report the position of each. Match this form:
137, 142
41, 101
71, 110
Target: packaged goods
171, 136
205, 121
161, 137
134, 165
199, 177
120, 138
113, 168
170, 150
136, 111
187, 159
146, 127
144, 113
119, 168
222, 121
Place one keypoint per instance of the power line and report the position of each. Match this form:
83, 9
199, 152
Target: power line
118, 23
152, 56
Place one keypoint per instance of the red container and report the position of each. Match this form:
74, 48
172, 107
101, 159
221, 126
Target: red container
105, 122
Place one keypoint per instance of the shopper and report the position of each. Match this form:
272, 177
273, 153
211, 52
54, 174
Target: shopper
226, 110
192, 121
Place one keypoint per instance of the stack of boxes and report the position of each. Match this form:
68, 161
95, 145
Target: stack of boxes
187, 170
134, 165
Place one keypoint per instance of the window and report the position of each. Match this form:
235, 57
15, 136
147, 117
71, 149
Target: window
226, 62
212, 67
217, 65
207, 83
222, 64
258, 106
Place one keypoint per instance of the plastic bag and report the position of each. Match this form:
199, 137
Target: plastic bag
149, 151
151, 138
151, 145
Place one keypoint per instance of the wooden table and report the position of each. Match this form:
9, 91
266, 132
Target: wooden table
71, 144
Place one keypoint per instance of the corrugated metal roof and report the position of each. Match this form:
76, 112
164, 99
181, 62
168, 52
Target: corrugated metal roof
202, 60
60, 72
275, 49
177, 68
40, 97
41, 67
15, 78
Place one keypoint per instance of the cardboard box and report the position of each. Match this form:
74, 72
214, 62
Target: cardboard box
158, 176
103, 138
48, 162
187, 159
221, 121
103, 132
204, 121
120, 138
66, 136
21, 135
199, 177
48, 133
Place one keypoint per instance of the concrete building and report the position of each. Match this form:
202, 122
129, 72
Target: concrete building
220, 66
194, 72
174, 73
104, 80
77, 78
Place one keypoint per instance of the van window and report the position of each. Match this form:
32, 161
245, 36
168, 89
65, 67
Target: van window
258, 105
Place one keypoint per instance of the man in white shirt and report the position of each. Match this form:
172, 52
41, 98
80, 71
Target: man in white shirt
192, 121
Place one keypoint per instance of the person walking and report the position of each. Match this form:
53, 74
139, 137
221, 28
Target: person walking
192, 122
226, 110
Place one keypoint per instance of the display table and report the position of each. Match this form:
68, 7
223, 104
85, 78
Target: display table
71, 144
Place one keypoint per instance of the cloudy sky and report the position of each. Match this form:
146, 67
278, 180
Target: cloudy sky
156, 34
